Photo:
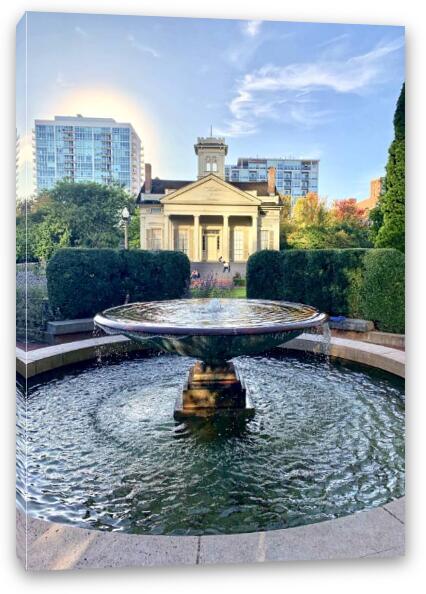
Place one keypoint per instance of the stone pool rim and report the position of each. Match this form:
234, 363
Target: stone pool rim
374, 533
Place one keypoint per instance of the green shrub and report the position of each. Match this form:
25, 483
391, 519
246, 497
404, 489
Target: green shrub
150, 276
316, 277
357, 282
32, 313
82, 282
355, 278
238, 280
265, 278
383, 289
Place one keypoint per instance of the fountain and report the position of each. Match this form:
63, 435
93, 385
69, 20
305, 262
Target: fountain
213, 331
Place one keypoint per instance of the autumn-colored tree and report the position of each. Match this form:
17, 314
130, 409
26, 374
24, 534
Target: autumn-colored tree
347, 210
315, 227
309, 210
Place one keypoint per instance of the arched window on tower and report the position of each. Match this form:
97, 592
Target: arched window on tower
208, 165
214, 166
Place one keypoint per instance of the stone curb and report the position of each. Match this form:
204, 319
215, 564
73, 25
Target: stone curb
31, 363
375, 533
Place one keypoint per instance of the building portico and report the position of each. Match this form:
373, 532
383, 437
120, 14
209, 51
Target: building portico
206, 238
209, 218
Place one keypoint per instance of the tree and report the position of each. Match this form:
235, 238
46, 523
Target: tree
90, 211
391, 233
348, 211
286, 224
309, 210
134, 230
72, 214
50, 235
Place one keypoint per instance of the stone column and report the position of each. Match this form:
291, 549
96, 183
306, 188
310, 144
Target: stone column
166, 236
196, 239
171, 235
254, 233
225, 247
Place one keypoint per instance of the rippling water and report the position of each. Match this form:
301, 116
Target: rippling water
103, 450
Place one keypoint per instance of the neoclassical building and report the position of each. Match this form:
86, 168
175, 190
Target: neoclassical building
210, 217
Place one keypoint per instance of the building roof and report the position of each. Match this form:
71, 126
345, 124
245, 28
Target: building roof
159, 186
260, 187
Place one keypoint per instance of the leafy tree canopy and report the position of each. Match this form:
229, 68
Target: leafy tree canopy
71, 215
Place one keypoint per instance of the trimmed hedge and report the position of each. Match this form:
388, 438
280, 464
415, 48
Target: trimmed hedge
151, 276
82, 282
384, 275
362, 282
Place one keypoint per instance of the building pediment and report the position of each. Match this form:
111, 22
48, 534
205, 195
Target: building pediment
211, 189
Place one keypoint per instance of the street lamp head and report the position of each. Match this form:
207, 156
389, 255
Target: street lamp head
125, 214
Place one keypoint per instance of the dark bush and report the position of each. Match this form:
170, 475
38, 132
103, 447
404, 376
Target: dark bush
155, 275
327, 277
82, 282
357, 282
316, 277
383, 289
265, 278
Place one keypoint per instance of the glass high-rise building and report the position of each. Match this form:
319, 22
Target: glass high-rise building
293, 177
86, 149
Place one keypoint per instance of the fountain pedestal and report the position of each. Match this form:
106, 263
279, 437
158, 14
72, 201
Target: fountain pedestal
215, 331
211, 389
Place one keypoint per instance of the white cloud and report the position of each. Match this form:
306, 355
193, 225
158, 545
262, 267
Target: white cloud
262, 93
333, 40
252, 28
81, 32
62, 82
142, 48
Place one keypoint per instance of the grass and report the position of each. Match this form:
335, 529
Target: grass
238, 293
220, 293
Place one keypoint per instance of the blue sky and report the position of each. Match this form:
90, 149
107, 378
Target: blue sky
273, 88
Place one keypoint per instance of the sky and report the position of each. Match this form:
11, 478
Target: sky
272, 88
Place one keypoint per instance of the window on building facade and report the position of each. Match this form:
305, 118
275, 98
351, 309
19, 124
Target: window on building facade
183, 242
238, 245
154, 239
265, 239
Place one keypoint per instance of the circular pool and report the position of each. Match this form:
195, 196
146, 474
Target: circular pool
103, 451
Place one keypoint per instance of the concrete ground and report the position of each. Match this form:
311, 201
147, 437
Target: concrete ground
375, 533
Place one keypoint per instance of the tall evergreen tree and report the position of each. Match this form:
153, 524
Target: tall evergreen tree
391, 233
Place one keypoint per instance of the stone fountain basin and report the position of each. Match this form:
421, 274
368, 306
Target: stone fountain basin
213, 330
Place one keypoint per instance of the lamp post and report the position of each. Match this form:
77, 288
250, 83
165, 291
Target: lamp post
125, 215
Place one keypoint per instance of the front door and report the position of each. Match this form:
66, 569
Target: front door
211, 245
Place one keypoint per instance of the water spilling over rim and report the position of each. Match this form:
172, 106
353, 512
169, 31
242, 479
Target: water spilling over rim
210, 317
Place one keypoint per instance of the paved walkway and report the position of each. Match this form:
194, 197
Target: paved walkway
212, 268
